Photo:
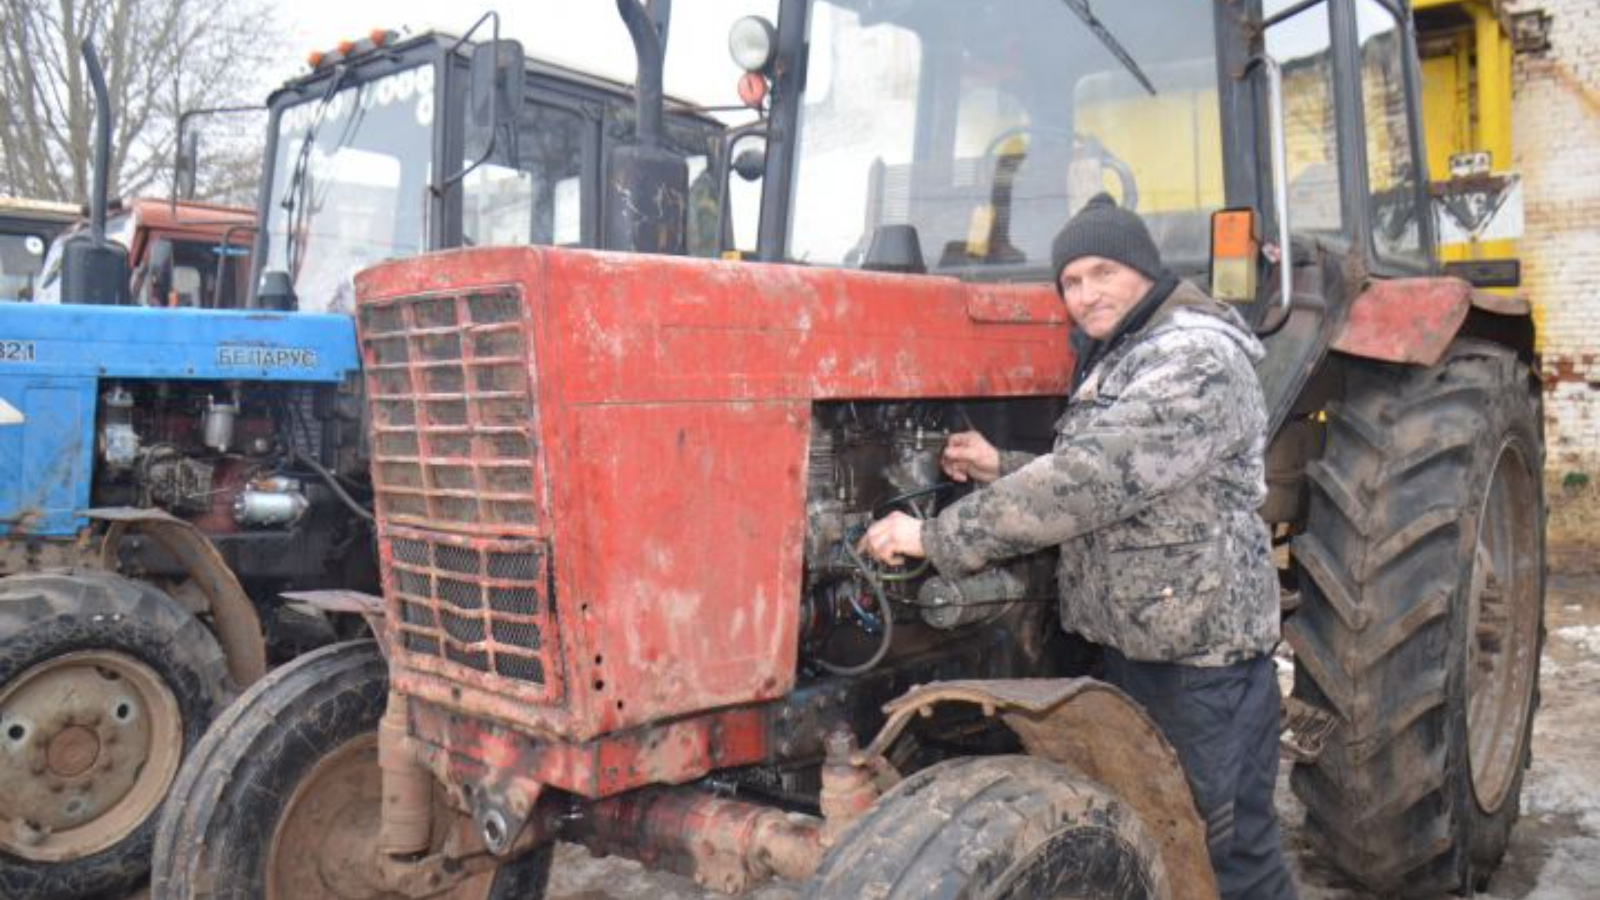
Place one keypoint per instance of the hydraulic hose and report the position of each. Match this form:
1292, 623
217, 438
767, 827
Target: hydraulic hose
888, 622
333, 483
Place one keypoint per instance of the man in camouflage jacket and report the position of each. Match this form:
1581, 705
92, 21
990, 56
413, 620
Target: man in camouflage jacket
1150, 495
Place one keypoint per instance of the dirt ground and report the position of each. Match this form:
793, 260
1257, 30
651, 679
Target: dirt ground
1555, 848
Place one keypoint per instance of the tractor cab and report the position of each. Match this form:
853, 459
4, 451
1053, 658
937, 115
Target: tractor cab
182, 253
26, 229
938, 138
985, 136
390, 148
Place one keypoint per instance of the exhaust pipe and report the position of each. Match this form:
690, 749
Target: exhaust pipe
647, 184
95, 270
651, 53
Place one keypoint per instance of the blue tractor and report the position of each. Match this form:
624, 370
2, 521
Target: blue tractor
162, 473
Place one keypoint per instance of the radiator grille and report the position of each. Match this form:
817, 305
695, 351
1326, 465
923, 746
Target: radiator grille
456, 469
466, 607
453, 412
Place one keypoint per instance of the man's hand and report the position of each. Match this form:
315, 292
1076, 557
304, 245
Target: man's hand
968, 456
893, 538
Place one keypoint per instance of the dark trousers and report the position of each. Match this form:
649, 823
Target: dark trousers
1223, 721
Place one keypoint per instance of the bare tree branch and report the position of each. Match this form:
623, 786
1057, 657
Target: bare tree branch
161, 57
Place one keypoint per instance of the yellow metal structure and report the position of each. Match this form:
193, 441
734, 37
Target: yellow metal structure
1466, 98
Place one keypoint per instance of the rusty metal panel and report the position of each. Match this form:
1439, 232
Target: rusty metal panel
470, 751
665, 407
667, 330
1405, 320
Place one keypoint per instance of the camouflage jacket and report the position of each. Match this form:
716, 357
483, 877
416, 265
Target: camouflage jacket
1151, 494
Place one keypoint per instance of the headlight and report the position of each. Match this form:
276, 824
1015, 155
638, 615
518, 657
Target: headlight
753, 42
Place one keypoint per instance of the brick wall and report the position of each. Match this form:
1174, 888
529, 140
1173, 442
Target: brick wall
1556, 146
1555, 109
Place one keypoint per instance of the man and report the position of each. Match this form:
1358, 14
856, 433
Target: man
1151, 495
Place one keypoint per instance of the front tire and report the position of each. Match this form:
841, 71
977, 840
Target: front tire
993, 828
1422, 579
105, 682
281, 797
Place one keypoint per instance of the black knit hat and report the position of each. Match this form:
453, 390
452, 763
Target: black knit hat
1102, 228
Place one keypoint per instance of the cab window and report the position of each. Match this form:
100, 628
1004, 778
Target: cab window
1392, 196
1303, 45
538, 197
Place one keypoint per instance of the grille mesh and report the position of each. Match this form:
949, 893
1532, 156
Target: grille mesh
453, 412
457, 475
438, 585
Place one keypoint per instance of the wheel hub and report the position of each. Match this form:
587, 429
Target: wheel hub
1502, 629
325, 846
89, 744
72, 751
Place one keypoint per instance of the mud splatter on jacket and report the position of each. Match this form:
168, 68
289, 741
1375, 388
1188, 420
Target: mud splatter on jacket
1151, 494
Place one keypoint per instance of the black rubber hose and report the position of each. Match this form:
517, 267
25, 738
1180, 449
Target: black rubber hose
888, 623
333, 484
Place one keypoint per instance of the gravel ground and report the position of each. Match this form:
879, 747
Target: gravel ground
1555, 848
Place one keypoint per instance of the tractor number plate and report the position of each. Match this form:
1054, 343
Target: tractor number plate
16, 351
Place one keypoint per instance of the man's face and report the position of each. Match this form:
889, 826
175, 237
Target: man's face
1099, 292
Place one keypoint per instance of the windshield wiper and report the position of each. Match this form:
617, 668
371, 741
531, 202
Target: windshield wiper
1081, 7
297, 178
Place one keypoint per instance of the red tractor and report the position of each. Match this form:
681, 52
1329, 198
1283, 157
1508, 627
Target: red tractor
618, 493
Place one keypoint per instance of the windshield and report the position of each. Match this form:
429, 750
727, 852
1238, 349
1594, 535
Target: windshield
984, 124
349, 185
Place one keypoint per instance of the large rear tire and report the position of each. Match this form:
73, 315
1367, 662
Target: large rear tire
993, 828
1422, 579
104, 683
284, 791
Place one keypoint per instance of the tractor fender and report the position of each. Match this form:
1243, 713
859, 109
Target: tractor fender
1097, 731
1413, 320
368, 606
234, 620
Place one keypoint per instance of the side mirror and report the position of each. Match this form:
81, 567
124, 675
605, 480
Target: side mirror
494, 97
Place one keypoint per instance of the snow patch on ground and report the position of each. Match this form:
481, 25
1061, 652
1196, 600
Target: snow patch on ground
1586, 637
1568, 873
1564, 792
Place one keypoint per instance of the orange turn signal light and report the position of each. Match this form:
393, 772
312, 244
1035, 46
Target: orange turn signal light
1235, 251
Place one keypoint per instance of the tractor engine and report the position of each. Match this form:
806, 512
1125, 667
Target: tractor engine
866, 460
273, 474
226, 457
